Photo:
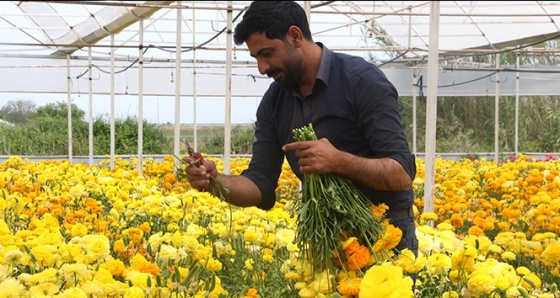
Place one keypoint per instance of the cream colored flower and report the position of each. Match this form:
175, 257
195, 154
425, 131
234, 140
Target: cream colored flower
13, 257
74, 272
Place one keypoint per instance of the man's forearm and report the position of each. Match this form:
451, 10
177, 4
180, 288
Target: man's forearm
380, 173
237, 190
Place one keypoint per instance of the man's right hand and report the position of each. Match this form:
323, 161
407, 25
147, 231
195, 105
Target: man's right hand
199, 177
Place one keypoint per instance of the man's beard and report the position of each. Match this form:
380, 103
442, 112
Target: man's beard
293, 71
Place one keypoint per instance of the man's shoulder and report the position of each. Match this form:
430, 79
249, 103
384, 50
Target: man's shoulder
349, 61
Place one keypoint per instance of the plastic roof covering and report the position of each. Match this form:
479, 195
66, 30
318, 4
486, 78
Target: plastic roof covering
36, 28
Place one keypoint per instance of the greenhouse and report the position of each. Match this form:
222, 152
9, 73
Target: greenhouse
93, 221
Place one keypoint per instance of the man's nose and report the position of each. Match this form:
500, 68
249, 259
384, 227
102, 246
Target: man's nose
263, 67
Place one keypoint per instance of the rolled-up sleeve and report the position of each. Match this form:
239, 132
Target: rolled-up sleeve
265, 166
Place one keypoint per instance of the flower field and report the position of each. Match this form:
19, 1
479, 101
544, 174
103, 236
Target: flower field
71, 230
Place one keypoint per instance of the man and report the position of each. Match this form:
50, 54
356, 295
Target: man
353, 109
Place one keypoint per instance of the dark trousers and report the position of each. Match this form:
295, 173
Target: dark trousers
408, 240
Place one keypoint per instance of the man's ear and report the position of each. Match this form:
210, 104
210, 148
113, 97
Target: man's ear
295, 36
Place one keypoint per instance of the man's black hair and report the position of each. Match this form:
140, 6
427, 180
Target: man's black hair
273, 18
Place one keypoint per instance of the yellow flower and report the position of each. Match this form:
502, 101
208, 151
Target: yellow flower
46, 255
218, 289
531, 281
284, 237
463, 259
409, 262
249, 264
47, 275
11, 288
214, 265
43, 290
385, 281
74, 293
168, 252
481, 283
134, 292
114, 267
250, 235
307, 293
78, 230
97, 247
428, 216
450, 294
92, 289
439, 262
551, 254
139, 279
508, 256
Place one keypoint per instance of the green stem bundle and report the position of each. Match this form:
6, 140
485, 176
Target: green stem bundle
331, 210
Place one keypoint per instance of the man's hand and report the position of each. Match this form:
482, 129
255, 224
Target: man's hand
319, 157
199, 177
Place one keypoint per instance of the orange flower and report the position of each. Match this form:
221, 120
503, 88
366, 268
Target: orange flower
145, 227
476, 231
140, 264
119, 246
379, 210
349, 287
359, 258
351, 245
457, 220
252, 293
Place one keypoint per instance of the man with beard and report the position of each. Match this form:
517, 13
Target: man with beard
351, 105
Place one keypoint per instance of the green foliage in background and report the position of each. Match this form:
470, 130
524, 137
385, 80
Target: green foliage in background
467, 125
44, 131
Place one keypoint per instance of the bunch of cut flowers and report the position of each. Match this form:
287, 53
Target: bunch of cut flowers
338, 228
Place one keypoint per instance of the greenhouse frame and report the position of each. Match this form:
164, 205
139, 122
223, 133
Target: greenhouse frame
102, 53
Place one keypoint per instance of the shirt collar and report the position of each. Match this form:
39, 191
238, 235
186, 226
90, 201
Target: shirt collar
325, 66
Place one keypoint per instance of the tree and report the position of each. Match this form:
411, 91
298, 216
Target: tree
59, 110
18, 111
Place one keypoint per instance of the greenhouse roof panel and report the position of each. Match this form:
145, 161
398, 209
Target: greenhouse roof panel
60, 27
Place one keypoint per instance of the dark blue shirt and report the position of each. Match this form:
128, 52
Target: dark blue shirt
353, 105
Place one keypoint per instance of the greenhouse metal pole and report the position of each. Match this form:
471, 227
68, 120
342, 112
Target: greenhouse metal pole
431, 108
177, 131
307, 8
69, 105
140, 94
517, 106
195, 129
227, 134
497, 111
414, 76
90, 139
112, 130
413, 83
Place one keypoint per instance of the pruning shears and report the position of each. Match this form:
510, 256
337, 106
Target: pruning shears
198, 159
